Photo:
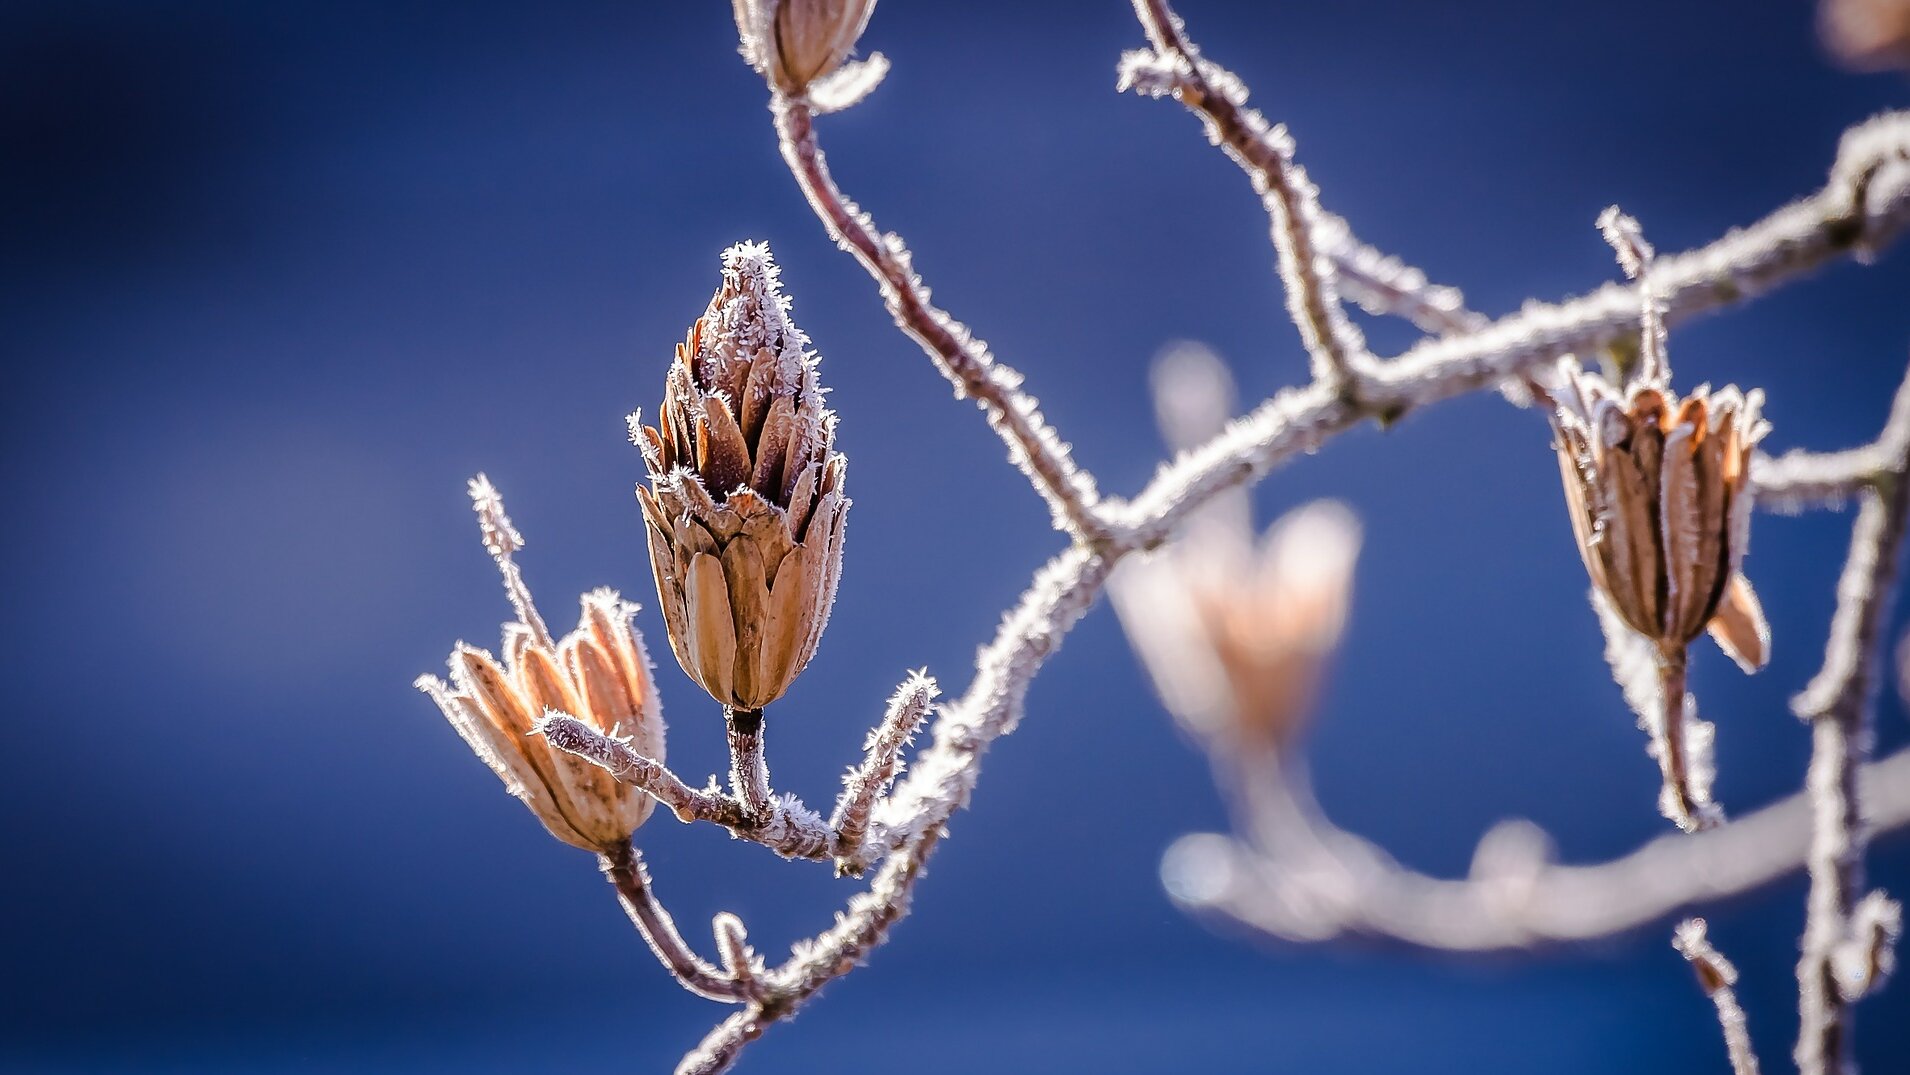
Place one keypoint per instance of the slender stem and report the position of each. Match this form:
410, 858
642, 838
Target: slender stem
1718, 978
623, 867
870, 780
1265, 152
573, 736
749, 764
1839, 705
962, 358
1683, 803
1260, 887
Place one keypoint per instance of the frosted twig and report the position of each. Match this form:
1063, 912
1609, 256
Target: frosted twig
1382, 284
573, 736
785, 827
866, 782
1799, 479
1516, 899
1635, 256
1866, 203
502, 540
625, 870
749, 762
813, 964
1032, 445
740, 963
1717, 977
1838, 703
1265, 151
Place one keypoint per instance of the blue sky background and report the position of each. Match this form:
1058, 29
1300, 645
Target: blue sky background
276, 279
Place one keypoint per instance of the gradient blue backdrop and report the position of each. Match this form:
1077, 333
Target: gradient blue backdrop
276, 279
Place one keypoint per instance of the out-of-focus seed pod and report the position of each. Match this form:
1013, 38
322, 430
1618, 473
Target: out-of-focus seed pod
1236, 646
1869, 35
599, 673
794, 43
745, 508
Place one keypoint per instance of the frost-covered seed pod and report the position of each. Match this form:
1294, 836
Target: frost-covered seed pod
599, 673
745, 507
793, 43
1658, 489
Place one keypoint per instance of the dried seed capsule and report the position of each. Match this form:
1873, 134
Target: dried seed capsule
796, 42
1658, 489
599, 673
745, 507
1235, 643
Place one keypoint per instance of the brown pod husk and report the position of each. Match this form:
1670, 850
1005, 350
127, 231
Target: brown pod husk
745, 506
598, 673
796, 42
1658, 489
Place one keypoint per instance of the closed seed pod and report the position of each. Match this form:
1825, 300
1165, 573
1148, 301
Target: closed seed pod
793, 43
745, 506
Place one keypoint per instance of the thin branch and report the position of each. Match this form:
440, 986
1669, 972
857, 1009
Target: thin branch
788, 828
1866, 203
625, 870
1838, 703
573, 736
1717, 977
815, 963
1516, 899
749, 762
1799, 479
1265, 152
883, 761
741, 964
1382, 284
963, 359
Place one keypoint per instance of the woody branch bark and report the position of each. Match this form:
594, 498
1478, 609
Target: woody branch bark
852, 837
1865, 204
1339, 355
1839, 705
625, 870
1515, 899
1719, 979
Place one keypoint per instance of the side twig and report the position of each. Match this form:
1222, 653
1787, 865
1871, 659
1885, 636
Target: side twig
625, 870
1516, 898
1718, 978
1265, 152
1838, 703
963, 359
865, 783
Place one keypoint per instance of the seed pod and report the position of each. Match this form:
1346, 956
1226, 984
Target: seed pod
1869, 35
1236, 644
793, 43
745, 507
598, 673
1658, 489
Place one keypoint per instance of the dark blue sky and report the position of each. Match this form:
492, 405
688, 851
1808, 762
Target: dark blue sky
276, 279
